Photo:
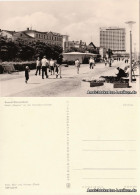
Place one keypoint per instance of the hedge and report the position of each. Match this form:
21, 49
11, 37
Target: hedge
16, 66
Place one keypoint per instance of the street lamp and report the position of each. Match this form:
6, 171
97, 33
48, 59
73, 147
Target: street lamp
135, 52
130, 23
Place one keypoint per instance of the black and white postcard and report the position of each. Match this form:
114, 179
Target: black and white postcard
69, 97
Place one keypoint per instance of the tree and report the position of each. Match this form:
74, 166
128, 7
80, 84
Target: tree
24, 50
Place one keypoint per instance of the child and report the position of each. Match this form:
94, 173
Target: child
27, 70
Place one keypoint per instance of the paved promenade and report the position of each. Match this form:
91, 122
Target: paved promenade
70, 85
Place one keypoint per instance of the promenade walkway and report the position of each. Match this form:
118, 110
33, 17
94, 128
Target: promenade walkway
71, 84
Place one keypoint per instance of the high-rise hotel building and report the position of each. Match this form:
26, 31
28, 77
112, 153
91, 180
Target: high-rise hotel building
113, 38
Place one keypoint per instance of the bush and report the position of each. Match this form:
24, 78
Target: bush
19, 50
16, 66
21, 66
1, 69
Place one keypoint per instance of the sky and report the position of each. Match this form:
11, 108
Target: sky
80, 19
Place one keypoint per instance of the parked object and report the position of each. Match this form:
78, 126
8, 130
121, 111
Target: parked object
8, 68
96, 83
121, 85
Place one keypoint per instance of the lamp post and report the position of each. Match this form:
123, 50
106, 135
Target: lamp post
135, 52
130, 23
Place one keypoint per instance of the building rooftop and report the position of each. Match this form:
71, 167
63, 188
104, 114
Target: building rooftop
30, 30
10, 32
24, 34
112, 28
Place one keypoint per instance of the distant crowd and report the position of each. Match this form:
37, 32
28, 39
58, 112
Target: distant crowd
54, 67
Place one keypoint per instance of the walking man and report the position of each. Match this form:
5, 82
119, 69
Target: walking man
59, 61
77, 64
91, 63
44, 63
38, 66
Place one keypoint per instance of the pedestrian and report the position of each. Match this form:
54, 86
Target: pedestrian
38, 66
105, 61
110, 62
27, 70
52, 66
57, 69
45, 65
59, 61
121, 73
91, 63
77, 64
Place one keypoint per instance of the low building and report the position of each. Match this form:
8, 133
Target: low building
14, 36
121, 55
72, 56
33, 35
75, 44
22, 36
47, 37
7, 34
91, 46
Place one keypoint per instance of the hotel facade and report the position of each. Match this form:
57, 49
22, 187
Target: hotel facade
113, 38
